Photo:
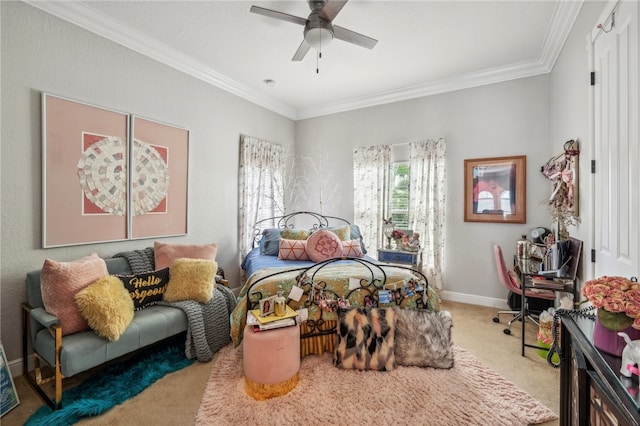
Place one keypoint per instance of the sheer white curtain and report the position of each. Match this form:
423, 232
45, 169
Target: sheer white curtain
261, 186
428, 200
371, 171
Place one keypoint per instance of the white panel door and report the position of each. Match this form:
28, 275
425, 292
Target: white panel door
617, 178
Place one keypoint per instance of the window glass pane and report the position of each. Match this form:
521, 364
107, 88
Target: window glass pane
505, 202
485, 201
399, 195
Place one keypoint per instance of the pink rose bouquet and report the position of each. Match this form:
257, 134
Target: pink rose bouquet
617, 300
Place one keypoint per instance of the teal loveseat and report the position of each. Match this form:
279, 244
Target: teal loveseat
79, 352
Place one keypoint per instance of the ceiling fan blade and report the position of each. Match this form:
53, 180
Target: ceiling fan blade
353, 37
302, 51
278, 15
331, 9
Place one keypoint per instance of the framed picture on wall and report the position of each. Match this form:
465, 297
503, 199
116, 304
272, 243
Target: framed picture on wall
84, 180
159, 167
495, 190
10, 398
109, 176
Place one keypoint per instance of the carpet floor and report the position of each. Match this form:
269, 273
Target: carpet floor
468, 394
472, 330
114, 385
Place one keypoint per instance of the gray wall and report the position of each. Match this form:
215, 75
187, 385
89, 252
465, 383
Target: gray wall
497, 120
42, 53
532, 116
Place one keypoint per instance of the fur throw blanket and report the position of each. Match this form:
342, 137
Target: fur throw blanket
208, 327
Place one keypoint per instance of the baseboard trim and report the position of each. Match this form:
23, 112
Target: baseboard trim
15, 366
473, 299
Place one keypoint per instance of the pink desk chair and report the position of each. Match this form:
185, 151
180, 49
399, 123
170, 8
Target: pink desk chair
514, 287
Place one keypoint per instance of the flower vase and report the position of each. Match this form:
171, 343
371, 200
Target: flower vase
398, 243
608, 340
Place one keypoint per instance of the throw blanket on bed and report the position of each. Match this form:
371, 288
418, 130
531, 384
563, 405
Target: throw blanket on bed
208, 328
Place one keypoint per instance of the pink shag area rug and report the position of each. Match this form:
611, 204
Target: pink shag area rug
468, 394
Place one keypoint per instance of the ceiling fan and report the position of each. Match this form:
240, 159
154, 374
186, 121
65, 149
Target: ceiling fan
318, 29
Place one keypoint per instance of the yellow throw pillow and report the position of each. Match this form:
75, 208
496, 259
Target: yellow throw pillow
191, 279
343, 232
294, 234
107, 306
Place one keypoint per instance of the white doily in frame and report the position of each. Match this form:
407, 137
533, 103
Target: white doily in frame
102, 170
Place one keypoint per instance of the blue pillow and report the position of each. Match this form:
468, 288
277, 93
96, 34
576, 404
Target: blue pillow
270, 242
356, 235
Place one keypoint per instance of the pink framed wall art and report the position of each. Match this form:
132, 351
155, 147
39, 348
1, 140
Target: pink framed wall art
103, 181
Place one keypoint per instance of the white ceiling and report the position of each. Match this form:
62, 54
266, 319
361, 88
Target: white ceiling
424, 47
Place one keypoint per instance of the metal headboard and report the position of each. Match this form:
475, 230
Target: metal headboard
302, 219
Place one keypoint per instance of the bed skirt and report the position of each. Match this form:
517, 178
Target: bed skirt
311, 344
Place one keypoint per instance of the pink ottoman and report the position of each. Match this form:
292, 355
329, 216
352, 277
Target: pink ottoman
271, 360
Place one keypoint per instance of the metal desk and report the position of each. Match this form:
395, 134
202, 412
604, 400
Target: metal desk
529, 268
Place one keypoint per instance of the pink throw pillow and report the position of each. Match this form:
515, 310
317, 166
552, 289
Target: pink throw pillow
352, 248
166, 253
322, 245
61, 281
293, 249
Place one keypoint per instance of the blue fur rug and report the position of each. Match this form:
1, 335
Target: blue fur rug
113, 385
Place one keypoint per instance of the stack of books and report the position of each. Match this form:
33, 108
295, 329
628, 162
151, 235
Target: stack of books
271, 321
543, 282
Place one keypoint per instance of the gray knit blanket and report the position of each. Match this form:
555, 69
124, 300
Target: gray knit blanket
208, 325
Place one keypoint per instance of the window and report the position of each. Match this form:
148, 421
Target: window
399, 194
485, 201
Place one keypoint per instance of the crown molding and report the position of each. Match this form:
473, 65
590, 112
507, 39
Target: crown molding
466, 81
564, 16
104, 26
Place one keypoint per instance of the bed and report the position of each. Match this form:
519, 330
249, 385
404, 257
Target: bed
322, 285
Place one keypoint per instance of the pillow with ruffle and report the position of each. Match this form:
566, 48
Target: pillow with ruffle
323, 245
166, 253
293, 250
61, 281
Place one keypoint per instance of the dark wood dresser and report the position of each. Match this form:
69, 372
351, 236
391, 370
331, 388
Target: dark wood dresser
592, 390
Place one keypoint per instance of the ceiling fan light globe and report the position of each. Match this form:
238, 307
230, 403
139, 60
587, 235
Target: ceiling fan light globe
318, 37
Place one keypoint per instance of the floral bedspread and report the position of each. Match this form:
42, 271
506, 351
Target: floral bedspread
340, 284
